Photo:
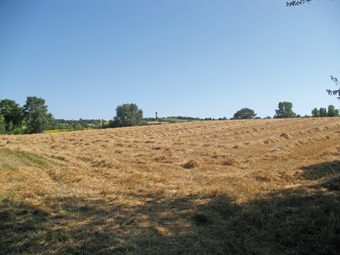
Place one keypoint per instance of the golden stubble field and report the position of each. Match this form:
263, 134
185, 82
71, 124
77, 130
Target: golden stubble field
213, 187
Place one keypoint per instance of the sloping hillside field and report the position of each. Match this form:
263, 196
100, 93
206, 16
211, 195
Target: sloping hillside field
213, 187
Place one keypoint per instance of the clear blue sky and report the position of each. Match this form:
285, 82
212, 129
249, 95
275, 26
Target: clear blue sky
198, 58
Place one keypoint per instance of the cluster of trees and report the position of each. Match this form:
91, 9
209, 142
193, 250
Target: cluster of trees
244, 113
78, 124
322, 112
33, 117
285, 111
11, 117
127, 115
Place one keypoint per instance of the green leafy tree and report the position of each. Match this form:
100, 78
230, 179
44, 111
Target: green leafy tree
83, 123
2, 125
332, 112
285, 110
10, 127
323, 112
12, 112
127, 115
36, 115
53, 123
19, 130
315, 112
245, 113
76, 125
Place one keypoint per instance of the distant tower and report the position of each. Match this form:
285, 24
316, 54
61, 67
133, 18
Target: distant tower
156, 115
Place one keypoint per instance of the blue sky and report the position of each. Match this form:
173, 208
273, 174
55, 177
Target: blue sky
198, 58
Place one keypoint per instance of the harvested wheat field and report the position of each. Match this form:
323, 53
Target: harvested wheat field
213, 187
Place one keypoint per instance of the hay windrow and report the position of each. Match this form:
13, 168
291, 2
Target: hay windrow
191, 164
231, 162
285, 135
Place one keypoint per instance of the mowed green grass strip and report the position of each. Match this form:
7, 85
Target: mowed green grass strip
22, 225
11, 160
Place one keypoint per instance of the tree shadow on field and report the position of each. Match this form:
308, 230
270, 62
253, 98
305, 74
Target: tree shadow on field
303, 220
318, 171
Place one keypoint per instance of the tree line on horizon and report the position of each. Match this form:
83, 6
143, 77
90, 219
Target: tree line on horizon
34, 117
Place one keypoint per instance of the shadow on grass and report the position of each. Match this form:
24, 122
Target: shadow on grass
293, 221
318, 171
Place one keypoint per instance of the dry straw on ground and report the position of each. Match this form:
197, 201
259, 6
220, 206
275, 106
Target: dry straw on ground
214, 187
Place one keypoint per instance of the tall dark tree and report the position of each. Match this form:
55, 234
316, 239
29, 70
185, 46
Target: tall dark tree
127, 115
332, 112
245, 113
285, 110
36, 115
12, 112
315, 112
323, 112
2, 125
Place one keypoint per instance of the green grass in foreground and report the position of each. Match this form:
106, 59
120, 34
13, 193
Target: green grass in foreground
11, 160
